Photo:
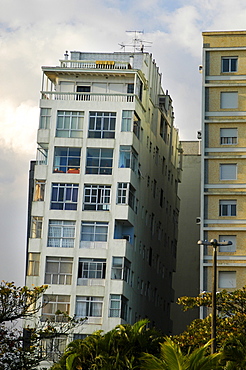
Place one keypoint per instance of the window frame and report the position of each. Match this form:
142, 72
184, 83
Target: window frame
121, 269
36, 227
121, 309
33, 264
230, 65
126, 194
102, 125
64, 196
53, 303
69, 119
230, 100
61, 276
61, 226
128, 157
66, 159
228, 171
44, 118
92, 268
89, 302
99, 163
39, 190
94, 235
97, 197
228, 273
230, 210
228, 140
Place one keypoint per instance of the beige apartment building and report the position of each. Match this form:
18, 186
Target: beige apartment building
223, 199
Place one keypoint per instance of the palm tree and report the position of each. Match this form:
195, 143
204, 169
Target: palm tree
118, 349
234, 353
171, 358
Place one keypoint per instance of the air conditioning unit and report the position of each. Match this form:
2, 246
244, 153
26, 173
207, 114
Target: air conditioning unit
198, 220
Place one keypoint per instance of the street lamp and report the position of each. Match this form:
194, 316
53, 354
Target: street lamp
214, 243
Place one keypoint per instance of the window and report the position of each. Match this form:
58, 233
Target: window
67, 160
102, 125
227, 279
88, 306
69, 123
84, 90
64, 196
97, 197
128, 157
126, 122
227, 248
228, 207
58, 270
229, 64
228, 171
99, 161
42, 155
39, 190
229, 100
130, 122
92, 268
44, 121
130, 90
154, 188
36, 227
126, 194
161, 198
118, 306
121, 269
61, 234
33, 264
157, 155
52, 349
94, 231
136, 125
228, 136
53, 304
163, 129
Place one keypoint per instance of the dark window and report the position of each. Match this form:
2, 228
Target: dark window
102, 125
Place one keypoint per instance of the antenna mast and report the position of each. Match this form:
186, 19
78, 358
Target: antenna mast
137, 42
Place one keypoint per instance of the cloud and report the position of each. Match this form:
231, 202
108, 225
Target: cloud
36, 33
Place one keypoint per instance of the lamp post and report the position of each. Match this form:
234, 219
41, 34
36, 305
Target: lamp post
214, 243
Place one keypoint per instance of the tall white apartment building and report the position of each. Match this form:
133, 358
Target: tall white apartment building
103, 212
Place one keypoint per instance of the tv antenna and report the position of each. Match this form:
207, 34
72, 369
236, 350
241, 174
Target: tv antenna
137, 42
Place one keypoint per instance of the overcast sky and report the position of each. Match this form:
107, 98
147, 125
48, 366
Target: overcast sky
34, 33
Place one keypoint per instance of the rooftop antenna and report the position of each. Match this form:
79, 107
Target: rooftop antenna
137, 42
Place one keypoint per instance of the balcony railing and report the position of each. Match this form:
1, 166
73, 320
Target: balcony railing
119, 98
87, 64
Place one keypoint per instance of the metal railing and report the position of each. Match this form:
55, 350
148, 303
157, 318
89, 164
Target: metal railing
119, 98
88, 64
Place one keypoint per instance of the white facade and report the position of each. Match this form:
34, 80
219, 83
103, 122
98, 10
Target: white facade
104, 210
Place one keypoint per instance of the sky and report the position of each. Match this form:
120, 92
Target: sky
35, 33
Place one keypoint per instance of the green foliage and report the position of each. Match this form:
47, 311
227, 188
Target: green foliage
21, 349
234, 353
119, 348
18, 302
230, 321
172, 358
228, 303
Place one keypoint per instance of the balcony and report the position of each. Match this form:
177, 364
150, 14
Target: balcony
88, 97
88, 64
